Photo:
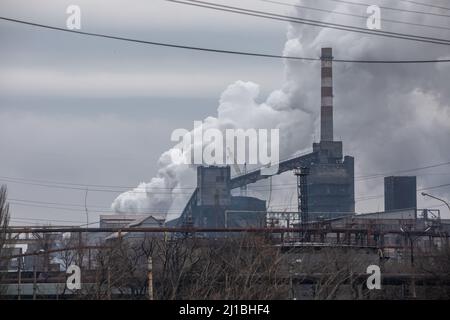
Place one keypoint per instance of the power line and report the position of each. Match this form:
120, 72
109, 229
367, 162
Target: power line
156, 43
54, 203
296, 155
351, 14
376, 175
42, 204
273, 16
244, 53
156, 211
291, 185
82, 186
434, 187
60, 205
171, 191
92, 190
395, 9
41, 219
425, 4
369, 175
418, 190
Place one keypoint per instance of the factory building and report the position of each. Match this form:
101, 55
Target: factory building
331, 190
213, 206
400, 192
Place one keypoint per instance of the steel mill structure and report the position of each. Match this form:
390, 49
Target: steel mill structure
330, 191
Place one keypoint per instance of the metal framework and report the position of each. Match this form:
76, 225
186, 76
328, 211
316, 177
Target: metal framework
302, 197
283, 166
302, 193
317, 228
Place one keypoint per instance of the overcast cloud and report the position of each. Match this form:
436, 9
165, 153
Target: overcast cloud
93, 111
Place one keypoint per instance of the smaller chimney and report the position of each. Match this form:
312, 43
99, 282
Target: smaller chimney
326, 110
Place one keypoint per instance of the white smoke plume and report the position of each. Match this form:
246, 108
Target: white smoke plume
238, 109
390, 117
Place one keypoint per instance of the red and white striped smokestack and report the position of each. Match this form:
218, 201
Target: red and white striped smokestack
326, 110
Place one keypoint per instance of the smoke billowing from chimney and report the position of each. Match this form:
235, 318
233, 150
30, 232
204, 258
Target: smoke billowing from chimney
391, 117
238, 109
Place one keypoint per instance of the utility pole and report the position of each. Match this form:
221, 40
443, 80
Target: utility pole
85, 206
412, 266
80, 244
19, 281
109, 283
411, 243
150, 278
34, 280
87, 225
411, 251
291, 286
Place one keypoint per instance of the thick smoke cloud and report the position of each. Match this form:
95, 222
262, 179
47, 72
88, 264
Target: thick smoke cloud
390, 117
238, 109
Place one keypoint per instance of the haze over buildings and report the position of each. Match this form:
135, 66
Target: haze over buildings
103, 114
86, 124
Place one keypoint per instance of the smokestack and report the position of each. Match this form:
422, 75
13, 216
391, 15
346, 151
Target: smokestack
326, 110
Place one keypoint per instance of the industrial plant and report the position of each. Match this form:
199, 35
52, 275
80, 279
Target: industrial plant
324, 231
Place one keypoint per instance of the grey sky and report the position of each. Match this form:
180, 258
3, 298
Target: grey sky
97, 111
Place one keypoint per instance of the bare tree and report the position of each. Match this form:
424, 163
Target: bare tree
436, 264
4, 236
335, 273
121, 269
240, 267
190, 268
245, 267
237, 267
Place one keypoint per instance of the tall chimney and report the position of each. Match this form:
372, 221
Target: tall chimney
326, 110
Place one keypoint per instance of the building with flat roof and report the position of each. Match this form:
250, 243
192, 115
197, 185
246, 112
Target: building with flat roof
400, 192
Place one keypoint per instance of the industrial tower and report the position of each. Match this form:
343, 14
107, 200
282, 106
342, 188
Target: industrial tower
330, 183
331, 190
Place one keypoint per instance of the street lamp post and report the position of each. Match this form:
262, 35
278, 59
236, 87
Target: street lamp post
431, 196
